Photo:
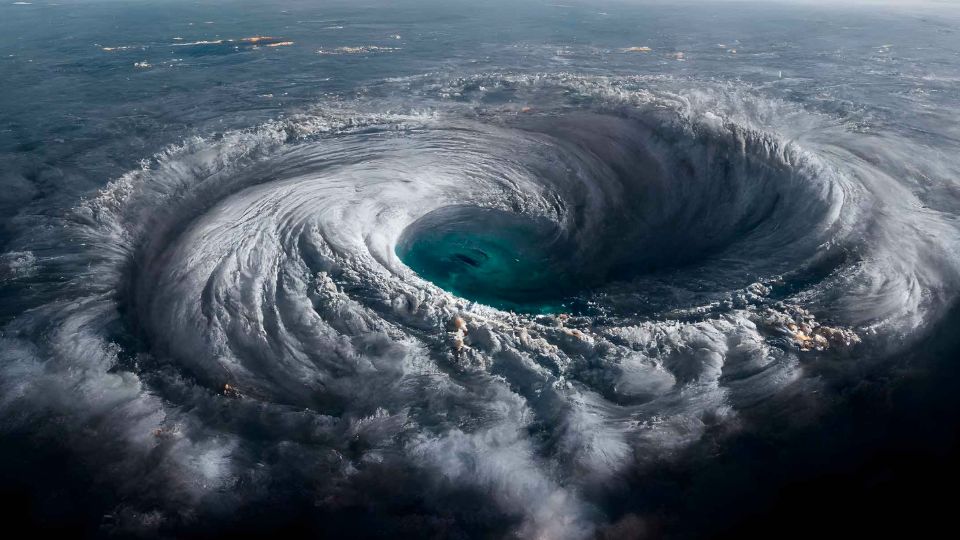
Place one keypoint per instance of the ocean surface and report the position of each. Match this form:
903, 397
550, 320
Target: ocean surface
483, 269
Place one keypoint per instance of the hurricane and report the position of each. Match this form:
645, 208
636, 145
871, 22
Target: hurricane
481, 302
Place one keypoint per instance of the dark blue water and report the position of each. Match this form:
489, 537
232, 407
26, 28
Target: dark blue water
478, 269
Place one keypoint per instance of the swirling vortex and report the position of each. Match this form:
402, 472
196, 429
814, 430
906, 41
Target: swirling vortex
238, 308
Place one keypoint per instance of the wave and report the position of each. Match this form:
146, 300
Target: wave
518, 286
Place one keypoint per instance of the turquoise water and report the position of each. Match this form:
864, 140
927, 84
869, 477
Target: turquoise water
492, 257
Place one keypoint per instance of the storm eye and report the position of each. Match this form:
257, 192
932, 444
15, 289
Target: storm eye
492, 257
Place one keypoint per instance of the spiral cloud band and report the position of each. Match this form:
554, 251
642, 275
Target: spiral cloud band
501, 307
